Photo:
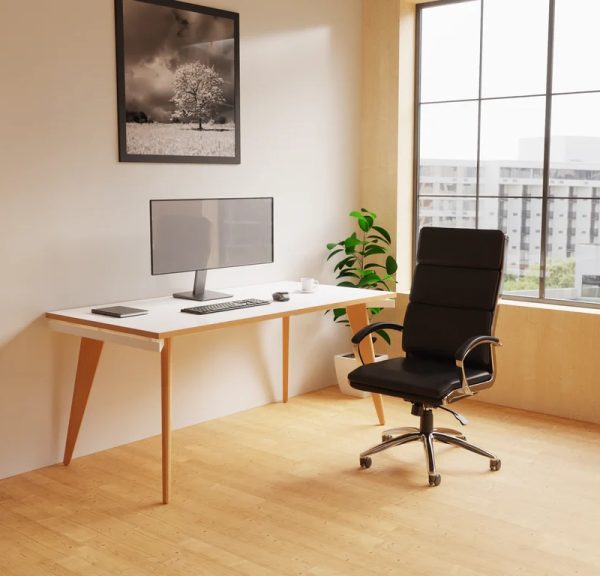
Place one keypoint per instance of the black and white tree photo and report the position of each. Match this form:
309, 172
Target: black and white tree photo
198, 93
178, 82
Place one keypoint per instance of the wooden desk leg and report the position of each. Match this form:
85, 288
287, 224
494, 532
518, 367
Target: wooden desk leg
89, 355
165, 387
359, 318
285, 338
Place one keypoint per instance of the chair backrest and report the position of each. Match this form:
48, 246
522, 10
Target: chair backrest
454, 293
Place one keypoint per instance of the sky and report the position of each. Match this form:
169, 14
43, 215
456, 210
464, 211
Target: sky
514, 64
157, 40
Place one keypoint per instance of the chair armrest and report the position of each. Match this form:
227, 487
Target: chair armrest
464, 350
363, 332
472, 343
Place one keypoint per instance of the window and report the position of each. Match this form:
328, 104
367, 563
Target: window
518, 121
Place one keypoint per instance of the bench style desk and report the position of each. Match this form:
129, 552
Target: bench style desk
164, 321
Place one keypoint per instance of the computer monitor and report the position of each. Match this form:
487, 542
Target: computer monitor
207, 233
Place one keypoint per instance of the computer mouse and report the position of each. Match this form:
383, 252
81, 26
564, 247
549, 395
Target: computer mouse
281, 296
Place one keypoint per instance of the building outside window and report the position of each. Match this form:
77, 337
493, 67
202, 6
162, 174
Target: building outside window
508, 135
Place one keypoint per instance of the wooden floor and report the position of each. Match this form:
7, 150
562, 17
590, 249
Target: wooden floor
277, 491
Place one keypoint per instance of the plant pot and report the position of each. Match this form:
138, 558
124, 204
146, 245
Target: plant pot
344, 364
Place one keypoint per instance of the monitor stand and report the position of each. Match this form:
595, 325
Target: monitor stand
199, 293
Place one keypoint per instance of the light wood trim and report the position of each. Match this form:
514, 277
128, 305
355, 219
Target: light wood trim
141, 342
89, 356
387, 122
285, 363
165, 389
359, 318
102, 326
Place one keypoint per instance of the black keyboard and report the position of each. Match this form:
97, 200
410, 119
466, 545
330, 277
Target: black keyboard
225, 306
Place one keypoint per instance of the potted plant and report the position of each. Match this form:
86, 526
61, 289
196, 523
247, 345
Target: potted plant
363, 261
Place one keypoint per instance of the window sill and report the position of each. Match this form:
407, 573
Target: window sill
551, 306
536, 305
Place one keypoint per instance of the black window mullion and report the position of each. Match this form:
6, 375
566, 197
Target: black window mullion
478, 158
547, 143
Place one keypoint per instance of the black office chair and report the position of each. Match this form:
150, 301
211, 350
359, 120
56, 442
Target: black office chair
448, 337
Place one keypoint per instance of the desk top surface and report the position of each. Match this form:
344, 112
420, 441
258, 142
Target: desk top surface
164, 318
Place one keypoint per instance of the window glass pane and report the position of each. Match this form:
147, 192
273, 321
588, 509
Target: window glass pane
450, 52
512, 147
521, 220
448, 149
515, 47
574, 183
448, 131
447, 212
575, 146
576, 46
573, 248
447, 178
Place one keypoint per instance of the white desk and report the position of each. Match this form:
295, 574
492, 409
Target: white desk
164, 320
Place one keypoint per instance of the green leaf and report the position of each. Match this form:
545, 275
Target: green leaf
356, 214
371, 276
384, 335
363, 224
377, 238
375, 311
332, 245
374, 265
391, 265
345, 263
372, 214
368, 280
352, 241
374, 250
338, 313
334, 253
383, 283
383, 232
347, 284
346, 274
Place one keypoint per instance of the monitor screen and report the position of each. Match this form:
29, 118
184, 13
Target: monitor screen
209, 233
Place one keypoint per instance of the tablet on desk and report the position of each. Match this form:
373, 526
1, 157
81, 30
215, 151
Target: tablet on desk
119, 311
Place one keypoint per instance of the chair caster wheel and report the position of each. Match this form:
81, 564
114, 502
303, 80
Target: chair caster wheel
365, 462
386, 437
434, 479
495, 465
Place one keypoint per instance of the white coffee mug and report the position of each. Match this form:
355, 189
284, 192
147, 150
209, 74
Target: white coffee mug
308, 284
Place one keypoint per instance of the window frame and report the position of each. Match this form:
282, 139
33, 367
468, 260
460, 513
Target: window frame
546, 197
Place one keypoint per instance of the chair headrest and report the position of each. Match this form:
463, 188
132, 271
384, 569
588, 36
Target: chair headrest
461, 247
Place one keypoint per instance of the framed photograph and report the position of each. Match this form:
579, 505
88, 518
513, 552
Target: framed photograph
178, 82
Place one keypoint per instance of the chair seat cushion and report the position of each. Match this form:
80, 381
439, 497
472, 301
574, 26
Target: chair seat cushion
415, 379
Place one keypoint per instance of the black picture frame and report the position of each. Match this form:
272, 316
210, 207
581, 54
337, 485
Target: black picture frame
165, 51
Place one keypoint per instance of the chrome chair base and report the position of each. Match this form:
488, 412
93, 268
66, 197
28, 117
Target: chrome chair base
389, 434
426, 434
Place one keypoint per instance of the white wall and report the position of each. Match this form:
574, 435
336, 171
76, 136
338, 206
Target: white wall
74, 221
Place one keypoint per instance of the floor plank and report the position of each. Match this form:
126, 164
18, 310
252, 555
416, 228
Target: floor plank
277, 491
